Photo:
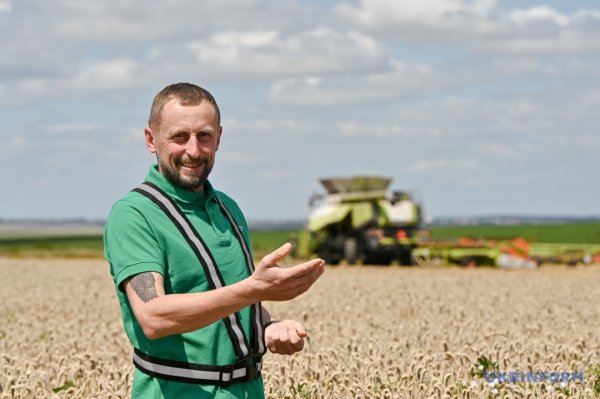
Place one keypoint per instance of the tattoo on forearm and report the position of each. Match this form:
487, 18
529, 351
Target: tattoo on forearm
143, 285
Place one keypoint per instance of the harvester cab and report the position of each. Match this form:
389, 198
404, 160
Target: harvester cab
358, 219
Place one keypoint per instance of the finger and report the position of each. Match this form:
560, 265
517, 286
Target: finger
298, 285
305, 280
292, 324
277, 339
316, 273
277, 255
272, 346
302, 269
296, 341
282, 342
271, 338
301, 331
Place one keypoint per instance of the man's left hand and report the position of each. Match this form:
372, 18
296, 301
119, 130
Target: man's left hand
285, 337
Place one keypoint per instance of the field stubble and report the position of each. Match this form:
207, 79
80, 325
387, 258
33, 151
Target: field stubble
374, 332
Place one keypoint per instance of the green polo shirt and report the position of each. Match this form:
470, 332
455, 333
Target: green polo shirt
138, 238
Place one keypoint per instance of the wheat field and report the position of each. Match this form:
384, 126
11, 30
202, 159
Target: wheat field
374, 333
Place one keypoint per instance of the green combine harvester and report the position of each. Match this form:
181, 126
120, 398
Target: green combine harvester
359, 220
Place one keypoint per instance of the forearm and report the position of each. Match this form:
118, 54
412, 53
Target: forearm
179, 313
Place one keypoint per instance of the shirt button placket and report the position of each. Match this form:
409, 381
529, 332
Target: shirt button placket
217, 221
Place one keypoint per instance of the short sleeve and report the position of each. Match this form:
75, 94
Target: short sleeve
130, 244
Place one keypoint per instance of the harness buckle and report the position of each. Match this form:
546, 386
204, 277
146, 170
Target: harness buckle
251, 372
226, 370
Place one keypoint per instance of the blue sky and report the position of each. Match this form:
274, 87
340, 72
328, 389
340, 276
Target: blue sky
480, 106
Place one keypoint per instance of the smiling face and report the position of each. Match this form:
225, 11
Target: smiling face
185, 142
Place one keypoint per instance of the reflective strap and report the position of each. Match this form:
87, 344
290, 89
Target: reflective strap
259, 342
173, 212
195, 373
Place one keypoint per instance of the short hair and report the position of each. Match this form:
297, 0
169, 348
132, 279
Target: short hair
186, 94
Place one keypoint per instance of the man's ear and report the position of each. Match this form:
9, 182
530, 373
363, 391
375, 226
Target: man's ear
149, 140
219, 137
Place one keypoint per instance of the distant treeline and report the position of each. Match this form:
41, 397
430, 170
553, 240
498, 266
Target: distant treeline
91, 246
298, 224
54, 246
265, 241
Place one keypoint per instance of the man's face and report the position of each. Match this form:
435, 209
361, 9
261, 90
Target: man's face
185, 143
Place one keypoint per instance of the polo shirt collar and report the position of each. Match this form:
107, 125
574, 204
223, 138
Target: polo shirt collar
176, 192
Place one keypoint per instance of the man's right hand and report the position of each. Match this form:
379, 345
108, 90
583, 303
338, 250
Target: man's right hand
275, 283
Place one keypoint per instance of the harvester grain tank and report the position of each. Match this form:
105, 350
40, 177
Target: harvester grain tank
359, 219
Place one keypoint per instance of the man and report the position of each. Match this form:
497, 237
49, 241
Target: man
179, 254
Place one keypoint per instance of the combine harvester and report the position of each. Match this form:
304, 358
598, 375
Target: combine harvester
359, 220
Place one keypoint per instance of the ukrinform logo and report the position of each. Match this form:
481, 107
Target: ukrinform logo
516, 377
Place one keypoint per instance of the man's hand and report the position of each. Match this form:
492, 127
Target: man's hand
275, 283
285, 337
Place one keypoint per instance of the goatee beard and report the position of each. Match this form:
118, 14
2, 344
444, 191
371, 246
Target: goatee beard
193, 183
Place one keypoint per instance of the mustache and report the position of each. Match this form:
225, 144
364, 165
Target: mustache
192, 162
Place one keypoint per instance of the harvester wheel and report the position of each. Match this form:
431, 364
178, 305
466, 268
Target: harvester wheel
350, 250
406, 258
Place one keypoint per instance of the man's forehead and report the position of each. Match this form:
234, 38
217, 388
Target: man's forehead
174, 111
176, 103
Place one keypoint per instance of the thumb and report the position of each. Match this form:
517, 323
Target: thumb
277, 255
302, 332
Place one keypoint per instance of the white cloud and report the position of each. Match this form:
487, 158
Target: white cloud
76, 80
479, 24
502, 150
244, 128
538, 14
273, 174
33, 87
427, 166
71, 127
420, 21
399, 80
561, 42
268, 52
106, 75
5, 6
352, 129
591, 96
446, 165
129, 22
375, 12
17, 143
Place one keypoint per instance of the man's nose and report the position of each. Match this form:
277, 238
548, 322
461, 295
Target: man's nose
193, 147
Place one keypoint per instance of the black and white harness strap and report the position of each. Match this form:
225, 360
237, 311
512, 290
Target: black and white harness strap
259, 342
196, 373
